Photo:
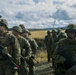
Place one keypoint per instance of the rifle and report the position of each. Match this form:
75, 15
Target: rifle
8, 57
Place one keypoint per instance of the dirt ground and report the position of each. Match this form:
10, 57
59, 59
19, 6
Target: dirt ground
44, 69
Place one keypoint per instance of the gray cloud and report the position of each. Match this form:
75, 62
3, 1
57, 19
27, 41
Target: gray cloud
38, 13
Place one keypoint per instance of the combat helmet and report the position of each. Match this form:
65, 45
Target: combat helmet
54, 31
71, 28
24, 30
22, 26
3, 22
17, 28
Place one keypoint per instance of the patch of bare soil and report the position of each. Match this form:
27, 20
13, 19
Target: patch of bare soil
44, 69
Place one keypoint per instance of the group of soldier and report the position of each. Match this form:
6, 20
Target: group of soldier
19, 47
21, 50
61, 48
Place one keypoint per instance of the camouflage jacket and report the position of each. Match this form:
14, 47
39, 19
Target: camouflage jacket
67, 48
34, 45
25, 47
10, 42
48, 40
54, 39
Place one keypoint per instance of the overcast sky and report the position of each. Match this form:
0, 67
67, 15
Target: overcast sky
39, 13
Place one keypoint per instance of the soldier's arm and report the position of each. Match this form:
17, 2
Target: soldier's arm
27, 47
34, 46
16, 53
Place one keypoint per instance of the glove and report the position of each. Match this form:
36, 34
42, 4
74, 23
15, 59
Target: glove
33, 57
17, 67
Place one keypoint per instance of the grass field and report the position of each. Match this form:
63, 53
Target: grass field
43, 67
41, 56
38, 34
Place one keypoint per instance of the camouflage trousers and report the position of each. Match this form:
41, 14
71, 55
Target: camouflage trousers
6, 68
48, 54
31, 66
23, 69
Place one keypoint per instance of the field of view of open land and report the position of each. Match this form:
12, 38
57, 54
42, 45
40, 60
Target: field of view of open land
42, 67
38, 34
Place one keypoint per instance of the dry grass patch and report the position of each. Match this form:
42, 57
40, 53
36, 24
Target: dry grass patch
39, 34
41, 56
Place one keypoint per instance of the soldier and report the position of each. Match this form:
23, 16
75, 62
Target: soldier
34, 46
65, 54
25, 49
48, 42
54, 36
54, 41
11, 47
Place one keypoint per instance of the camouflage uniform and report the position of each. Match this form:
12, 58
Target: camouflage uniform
34, 47
22, 26
61, 35
58, 32
54, 36
25, 49
65, 54
11, 46
32, 42
48, 42
54, 41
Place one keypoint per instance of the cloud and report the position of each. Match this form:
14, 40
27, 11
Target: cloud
38, 13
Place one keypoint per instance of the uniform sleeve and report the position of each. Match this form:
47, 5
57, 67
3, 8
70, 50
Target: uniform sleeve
16, 50
34, 46
27, 47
